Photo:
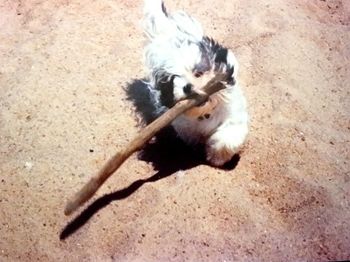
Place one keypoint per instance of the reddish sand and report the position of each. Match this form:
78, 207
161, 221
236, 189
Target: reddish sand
63, 69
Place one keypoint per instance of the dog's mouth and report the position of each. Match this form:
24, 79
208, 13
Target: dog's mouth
204, 110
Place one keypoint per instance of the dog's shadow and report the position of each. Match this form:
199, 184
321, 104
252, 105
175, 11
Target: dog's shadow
168, 155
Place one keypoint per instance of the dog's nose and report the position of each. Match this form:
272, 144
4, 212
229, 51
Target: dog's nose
188, 89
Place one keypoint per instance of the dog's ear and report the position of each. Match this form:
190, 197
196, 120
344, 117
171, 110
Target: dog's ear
145, 99
221, 55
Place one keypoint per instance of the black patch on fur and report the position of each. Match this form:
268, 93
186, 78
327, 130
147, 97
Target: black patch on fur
211, 51
145, 102
166, 87
221, 55
164, 9
230, 80
214, 49
210, 45
230, 70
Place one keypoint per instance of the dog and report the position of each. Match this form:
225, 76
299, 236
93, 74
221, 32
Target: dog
180, 59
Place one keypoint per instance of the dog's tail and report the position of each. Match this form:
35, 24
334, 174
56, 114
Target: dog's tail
156, 20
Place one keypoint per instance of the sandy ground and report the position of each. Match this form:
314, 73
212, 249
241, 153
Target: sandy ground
64, 67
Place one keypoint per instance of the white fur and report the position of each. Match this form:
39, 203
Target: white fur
224, 132
170, 50
167, 34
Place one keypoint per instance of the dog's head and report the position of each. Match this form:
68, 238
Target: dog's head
184, 70
202, 65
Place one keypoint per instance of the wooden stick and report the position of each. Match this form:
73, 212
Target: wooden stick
214, 85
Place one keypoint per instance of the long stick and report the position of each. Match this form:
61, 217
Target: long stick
214, 85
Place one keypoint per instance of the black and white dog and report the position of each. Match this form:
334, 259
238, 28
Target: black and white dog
181, 60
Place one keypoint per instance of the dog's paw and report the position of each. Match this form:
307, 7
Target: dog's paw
219, 156
225, 143
218, 153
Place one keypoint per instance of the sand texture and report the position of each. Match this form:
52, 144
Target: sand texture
64, 67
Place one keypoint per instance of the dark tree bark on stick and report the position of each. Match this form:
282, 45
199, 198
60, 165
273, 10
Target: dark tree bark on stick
213, 86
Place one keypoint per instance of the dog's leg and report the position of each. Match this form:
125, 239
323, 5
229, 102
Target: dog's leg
227, 140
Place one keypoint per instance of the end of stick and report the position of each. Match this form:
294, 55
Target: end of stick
82, 196
70, 208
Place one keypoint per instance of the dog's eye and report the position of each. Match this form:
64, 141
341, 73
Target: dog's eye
198, 74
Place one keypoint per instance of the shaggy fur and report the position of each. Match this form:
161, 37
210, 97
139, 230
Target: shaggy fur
181, 59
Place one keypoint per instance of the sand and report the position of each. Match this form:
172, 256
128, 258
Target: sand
64, 67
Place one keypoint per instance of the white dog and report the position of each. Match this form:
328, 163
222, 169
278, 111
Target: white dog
181, 60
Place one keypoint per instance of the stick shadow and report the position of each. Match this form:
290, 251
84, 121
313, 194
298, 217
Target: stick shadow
167, 154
